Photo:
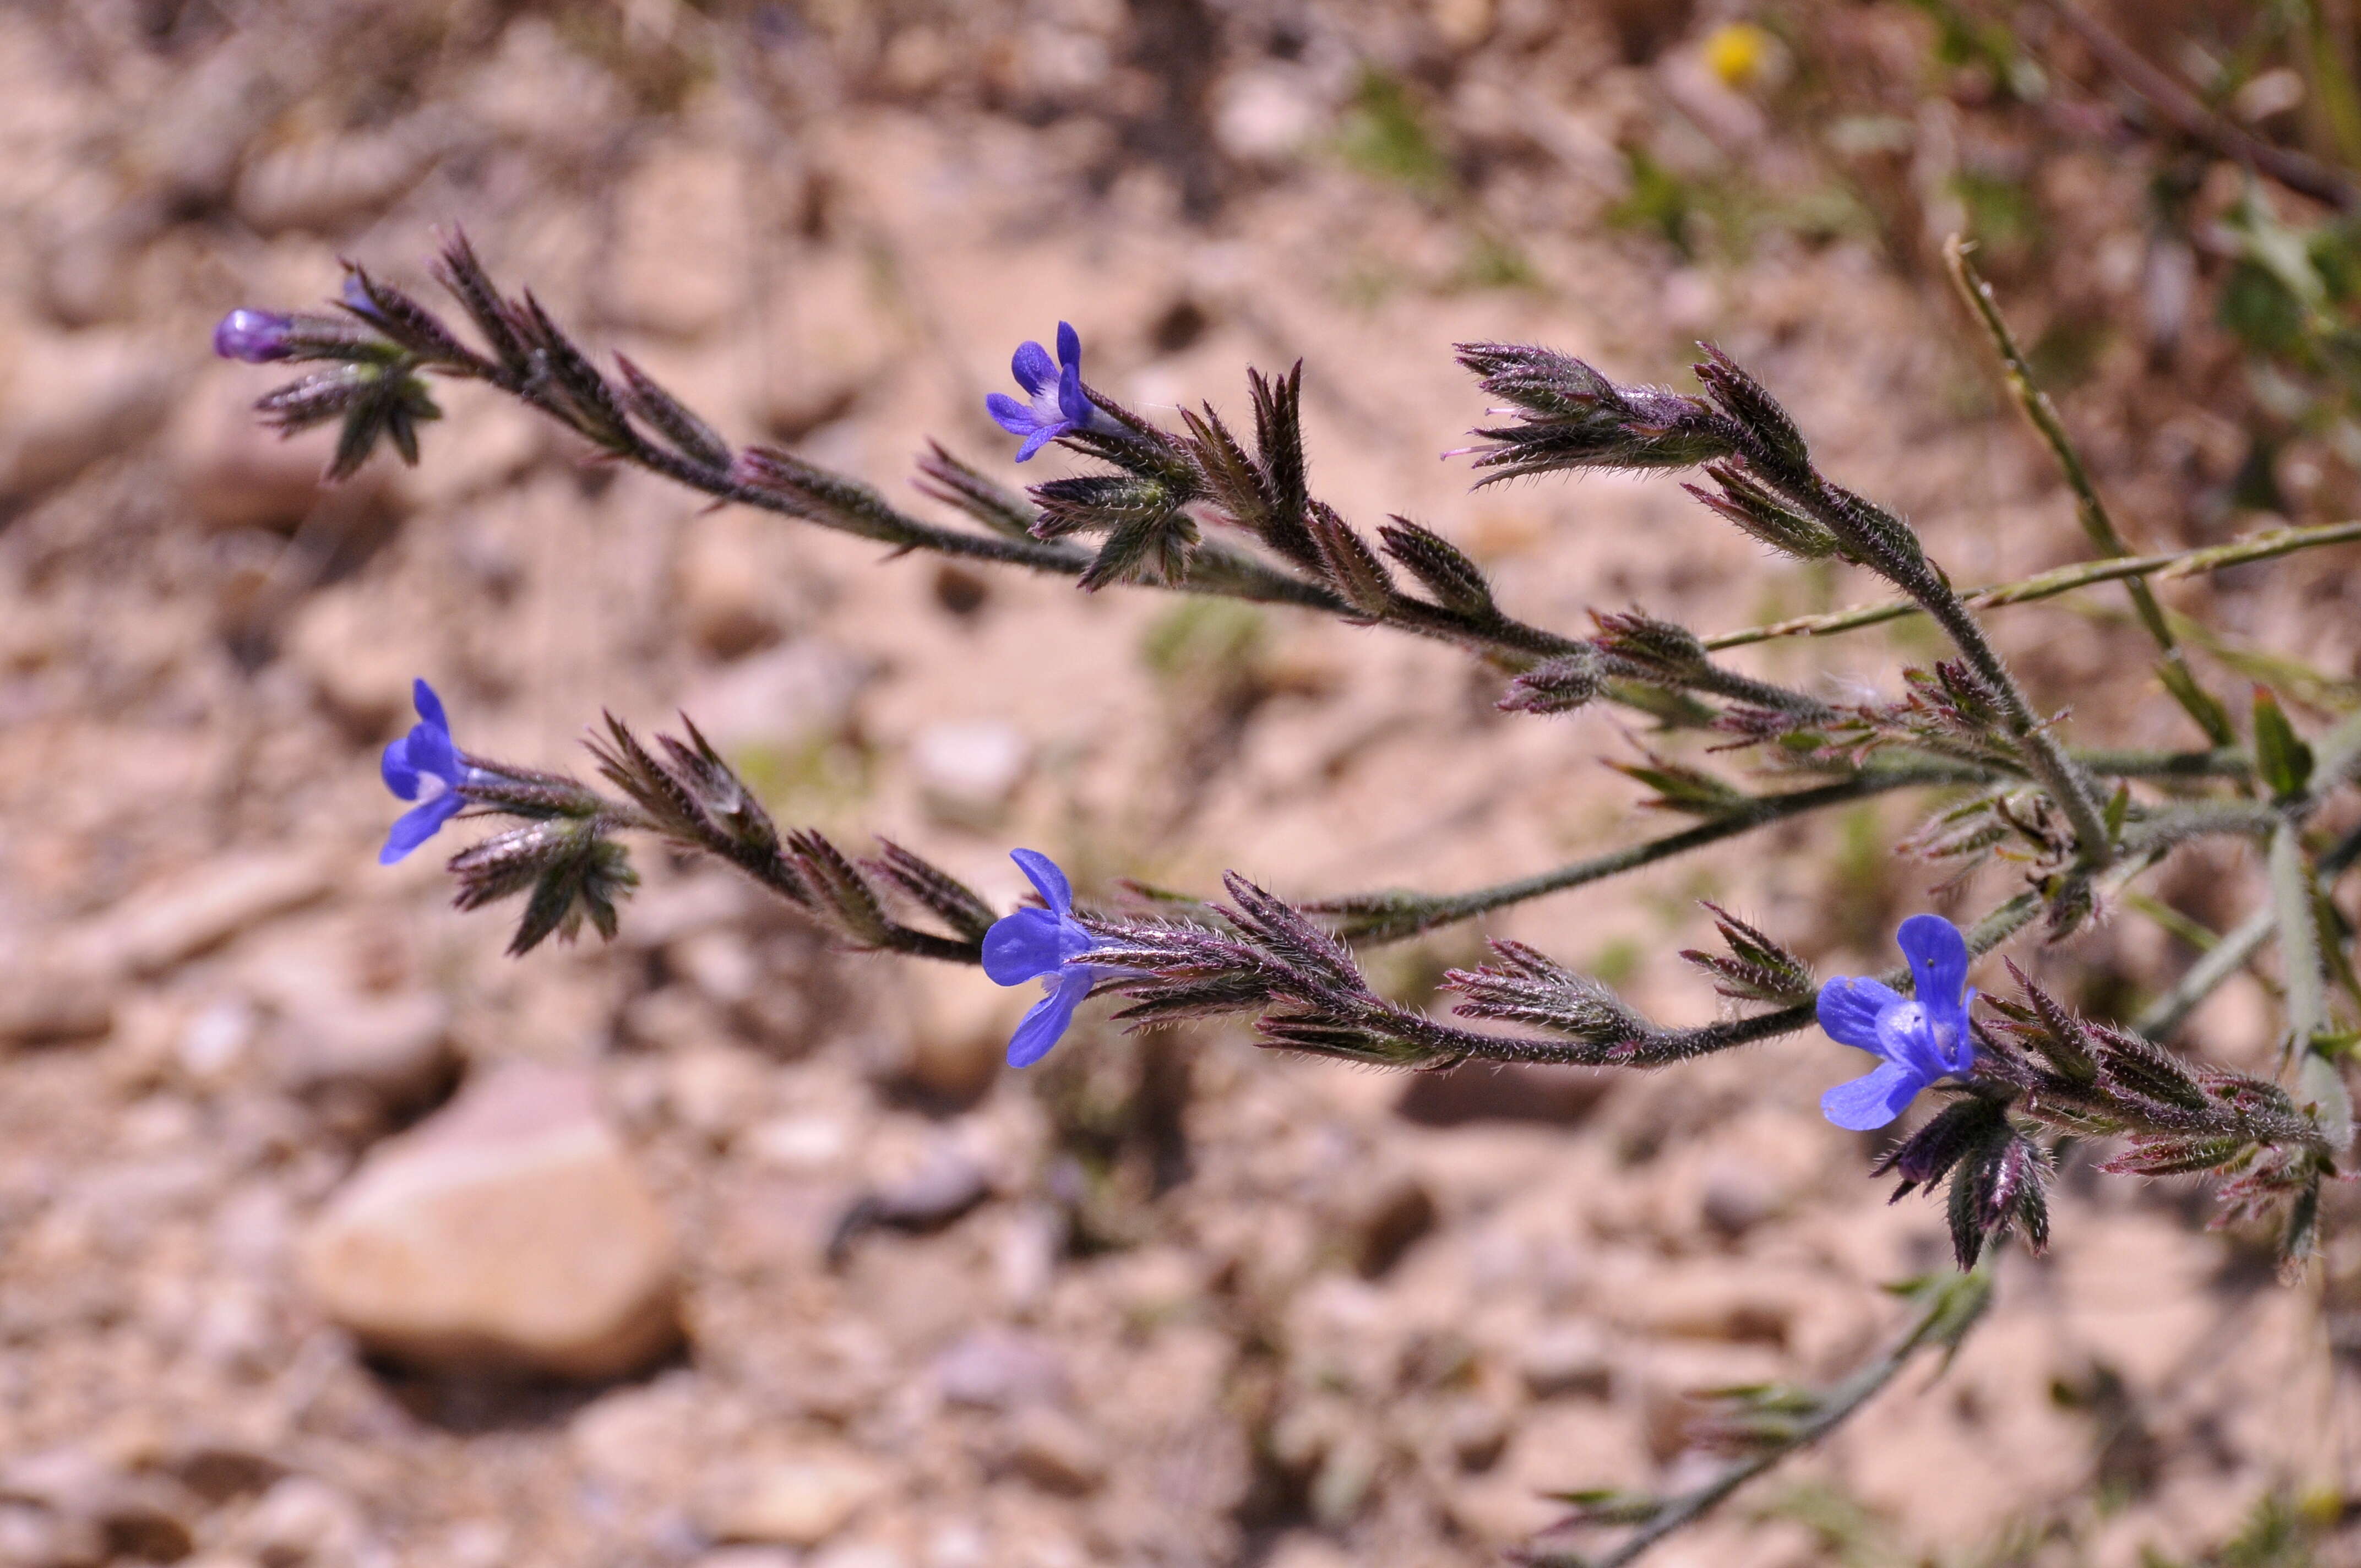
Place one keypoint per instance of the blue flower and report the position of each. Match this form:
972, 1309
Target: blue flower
1058, 406
257, 338
426, 767
1034, 944
1922, 1037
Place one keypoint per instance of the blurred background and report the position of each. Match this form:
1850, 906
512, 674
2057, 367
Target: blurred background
329, 1236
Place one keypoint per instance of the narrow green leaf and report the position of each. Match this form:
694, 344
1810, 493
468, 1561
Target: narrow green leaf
2280, 755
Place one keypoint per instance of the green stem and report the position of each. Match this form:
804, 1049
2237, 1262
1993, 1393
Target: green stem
2064, 579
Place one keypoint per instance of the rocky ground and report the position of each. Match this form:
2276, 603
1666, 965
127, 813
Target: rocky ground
329, 1235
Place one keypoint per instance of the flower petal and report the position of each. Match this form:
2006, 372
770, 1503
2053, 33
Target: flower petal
430, 706
1010, 415
1041, 436
1070, 347
1045, 1023
1032, 368
418, 824
431, 751
1073, 402
1849, 1007
1021, 946
1939, 971
1905, 1035
1047, 879
400, 777
1872, 1101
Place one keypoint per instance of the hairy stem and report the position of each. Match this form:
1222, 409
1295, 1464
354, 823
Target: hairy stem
2062, 581
1680, 1045
1391, 917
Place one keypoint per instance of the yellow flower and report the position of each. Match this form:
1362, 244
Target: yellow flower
1742, 55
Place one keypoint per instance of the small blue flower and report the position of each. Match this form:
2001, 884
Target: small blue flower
426, 767
1922, 1037
1058, 406
258, 337
1034, 944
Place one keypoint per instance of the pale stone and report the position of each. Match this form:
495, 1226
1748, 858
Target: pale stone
1568, 1357
792, 696
324, 182
717, 1090
509, 1229
969, 769
157, 928
728, 596
832, 337
359, 654
393, 1052
800, 1501
1266, 115
802, 1143
960, 1022
681, 262
1055, 1452
70, 400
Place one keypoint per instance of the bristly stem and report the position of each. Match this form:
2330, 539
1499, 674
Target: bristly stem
1953, 1308
2178, 564
1391, 916
2065, 782
1681, 1045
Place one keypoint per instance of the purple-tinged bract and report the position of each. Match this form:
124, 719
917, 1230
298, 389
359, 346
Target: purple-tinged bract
1920, 1038
1038, 944
427, 767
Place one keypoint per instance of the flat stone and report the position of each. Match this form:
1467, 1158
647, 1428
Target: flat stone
1391, 1218
155, 928
393, 1052
1055, 1453
508, 1230
717, 1090
1516, 1092
51, 1002
999, 1369
1565, 1358
74, 399
969, 769
957, 1032
799, 1501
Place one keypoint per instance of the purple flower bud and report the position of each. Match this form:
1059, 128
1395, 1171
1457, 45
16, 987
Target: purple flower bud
258, 337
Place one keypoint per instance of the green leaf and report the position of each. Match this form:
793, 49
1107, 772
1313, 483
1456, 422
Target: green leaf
2280, 755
